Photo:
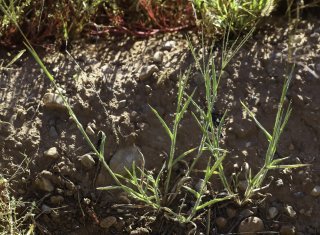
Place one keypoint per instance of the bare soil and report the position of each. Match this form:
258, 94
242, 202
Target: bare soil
102, 78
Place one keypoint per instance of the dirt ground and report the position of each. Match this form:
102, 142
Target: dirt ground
110, 83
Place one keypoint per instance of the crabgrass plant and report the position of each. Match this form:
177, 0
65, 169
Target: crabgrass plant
255, 182
139, 183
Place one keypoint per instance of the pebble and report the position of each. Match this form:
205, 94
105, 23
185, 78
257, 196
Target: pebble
315, 191
169, 45
44, 184
251, 226
287, 230
6, 128
124, 158
272, 212
108, 222
46, 209
221, 222
87, 161
57, 200
279, 182
122, 104
51, 153
318, 67
89, 130
139, 231
158, 57
53, 101
290, 211
246, 213
231, 212
147, 71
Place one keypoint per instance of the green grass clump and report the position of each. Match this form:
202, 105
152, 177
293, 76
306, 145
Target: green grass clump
217, 15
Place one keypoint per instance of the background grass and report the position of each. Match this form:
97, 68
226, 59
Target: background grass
64, 20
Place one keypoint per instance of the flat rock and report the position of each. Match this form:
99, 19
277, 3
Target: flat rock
51, 153
251, 226
124, 158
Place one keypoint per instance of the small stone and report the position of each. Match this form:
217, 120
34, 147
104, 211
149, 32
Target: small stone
139, 231
251, 226
70, 186
279, 182
87, 161
272, 212
231, 212
51, 153
318, 67
246, 213
124, 199
287, 230
89, 130
290, 211
53, 132
5, 128
107, 222
53, 101
148, 89
124, 158
158, 57
46, 209
169, 45
57, 200
122, 104
315, 191
44, 184
147, 71
221, 222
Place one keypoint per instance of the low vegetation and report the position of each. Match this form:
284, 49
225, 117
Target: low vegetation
158, 190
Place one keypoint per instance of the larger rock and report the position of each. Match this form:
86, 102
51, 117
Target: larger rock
124, 158
147, 71
251, 226
44, 184
87, 161
53, 101
51, 153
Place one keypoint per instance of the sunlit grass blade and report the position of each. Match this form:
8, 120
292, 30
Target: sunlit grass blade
163, 123
214, 201
267, 134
